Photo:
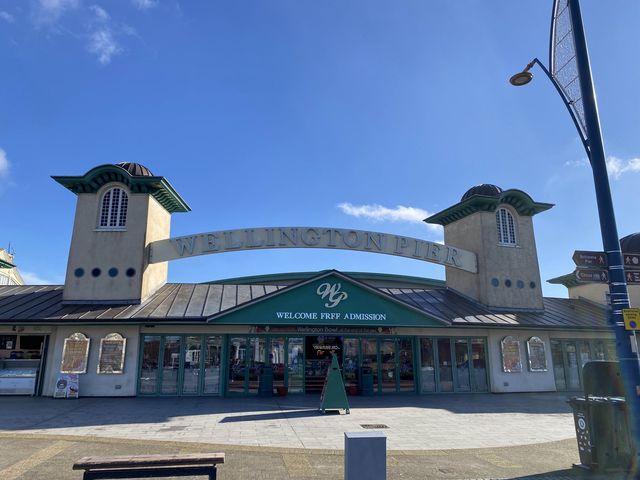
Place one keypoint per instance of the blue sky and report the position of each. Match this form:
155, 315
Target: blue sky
274, 113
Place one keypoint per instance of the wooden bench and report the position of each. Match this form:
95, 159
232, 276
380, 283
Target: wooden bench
150, 466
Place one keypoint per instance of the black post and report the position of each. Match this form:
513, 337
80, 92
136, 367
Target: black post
619, 297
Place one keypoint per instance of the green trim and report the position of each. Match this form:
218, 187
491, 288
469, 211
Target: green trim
94, 179
518, 199
569, 280
278, 278
4, 264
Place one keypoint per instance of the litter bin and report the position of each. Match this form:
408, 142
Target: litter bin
600, 418
581, 422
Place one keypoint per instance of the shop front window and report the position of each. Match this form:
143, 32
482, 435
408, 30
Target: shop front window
462, 365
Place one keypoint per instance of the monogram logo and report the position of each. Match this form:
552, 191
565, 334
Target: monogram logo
332, 293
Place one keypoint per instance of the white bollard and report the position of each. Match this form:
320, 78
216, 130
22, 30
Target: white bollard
365, 456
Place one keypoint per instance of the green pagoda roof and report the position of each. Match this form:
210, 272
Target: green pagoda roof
568, 280
158, 187
518, 199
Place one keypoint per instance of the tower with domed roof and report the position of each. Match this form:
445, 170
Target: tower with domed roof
120, 209
497, 225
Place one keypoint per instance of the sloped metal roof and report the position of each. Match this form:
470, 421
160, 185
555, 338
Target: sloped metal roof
195, 303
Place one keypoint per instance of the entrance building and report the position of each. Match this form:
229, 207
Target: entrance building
119, 329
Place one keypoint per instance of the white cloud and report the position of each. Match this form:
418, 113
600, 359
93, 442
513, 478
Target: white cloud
7, 17
616, 167
31, 278
145, 4
101, 13
103, 45
4, 163
48, 12
378, 213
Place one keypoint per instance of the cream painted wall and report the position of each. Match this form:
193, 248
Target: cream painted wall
524, 381
597, 292
478, 233
105, 249
91, 384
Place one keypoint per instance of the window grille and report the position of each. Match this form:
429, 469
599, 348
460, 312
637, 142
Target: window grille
506, 227
113, 212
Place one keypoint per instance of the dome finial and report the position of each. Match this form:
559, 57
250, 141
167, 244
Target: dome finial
485, 189
135, 169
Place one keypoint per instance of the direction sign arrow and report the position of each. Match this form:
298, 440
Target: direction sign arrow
592, 275
583, 258
633, 277
631, 260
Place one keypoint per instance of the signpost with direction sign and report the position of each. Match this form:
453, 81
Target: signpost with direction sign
633, 277
631, 260
583, 258
592, 275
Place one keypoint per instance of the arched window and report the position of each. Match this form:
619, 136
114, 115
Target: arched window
506, 227
113, 209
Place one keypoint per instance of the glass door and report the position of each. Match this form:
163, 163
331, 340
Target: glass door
558, 365
212, 356
573, 367
237, 352
171, 365
445, 365
370, 363
150, 364
479, 363
427, 367
388, 365
256, 359
405, 365
191, 375
295, 365
351, 351
463, 376
277, 360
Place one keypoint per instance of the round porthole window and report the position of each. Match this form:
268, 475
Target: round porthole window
520, 284
79, 272
96, 272
131, 272
495, 282
507, 283
532, 284
113, 272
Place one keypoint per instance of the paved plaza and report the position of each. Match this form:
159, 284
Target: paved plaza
446, 436
412, 422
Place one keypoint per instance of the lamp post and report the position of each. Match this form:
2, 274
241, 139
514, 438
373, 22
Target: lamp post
570, 73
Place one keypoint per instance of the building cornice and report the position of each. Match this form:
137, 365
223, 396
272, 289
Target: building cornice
94, 179
518, 199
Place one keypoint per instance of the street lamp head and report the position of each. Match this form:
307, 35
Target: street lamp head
521, 78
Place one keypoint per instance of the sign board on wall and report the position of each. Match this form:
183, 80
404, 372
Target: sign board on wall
311, 237
75, 354
330, 300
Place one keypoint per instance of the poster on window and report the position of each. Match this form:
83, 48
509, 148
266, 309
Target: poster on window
537, 355
112, 350
510, 347
75, 354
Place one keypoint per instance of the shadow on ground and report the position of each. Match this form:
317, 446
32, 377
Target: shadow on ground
50, 413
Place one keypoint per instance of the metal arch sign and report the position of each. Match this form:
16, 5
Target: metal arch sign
311, 237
